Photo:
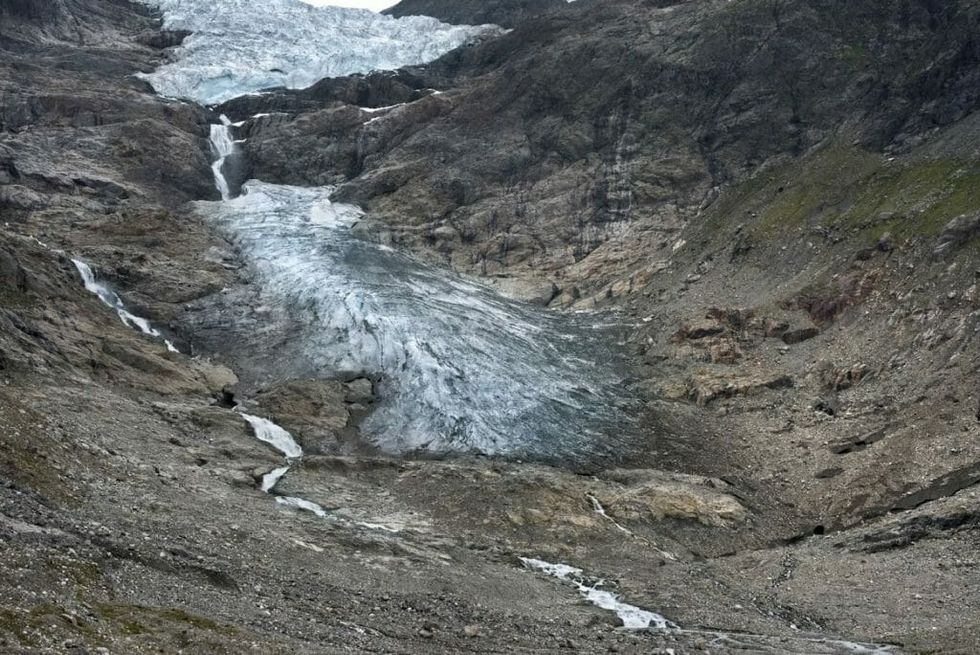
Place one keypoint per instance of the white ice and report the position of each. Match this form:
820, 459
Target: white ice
462, 369
242, 46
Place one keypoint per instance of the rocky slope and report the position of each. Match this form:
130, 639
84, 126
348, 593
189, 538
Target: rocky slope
506, 13
780, 198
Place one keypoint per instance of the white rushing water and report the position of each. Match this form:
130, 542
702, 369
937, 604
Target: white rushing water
267, 431
243, 46
272, 478
636, 618
110, 298
222, 146
461, 368
277, 436
633, 617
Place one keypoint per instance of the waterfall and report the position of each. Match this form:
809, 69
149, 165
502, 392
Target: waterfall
223, 146
275, 436
111, 299
272, 478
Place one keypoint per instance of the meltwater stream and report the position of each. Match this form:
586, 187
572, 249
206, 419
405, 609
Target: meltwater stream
461, 369
112, 299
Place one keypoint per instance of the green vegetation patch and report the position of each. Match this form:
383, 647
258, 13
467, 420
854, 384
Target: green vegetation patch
22, 450
139, 619
30, 627
916, 199
854, 193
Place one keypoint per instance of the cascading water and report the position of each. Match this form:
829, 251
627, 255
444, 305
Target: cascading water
110, 298
277, 437
461, 369
223, 146
633, 617
267, 431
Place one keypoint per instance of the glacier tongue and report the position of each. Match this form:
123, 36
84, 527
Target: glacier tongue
243, 46
462, 369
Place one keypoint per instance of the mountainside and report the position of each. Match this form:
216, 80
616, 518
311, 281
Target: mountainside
636, 314
506, 13
611, 123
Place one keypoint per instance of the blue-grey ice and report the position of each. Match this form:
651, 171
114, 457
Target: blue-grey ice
242, 46
461, 369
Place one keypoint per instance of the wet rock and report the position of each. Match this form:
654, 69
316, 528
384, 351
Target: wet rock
163, 39
314, 411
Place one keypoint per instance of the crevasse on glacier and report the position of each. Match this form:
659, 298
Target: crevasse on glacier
462, 369
243, 46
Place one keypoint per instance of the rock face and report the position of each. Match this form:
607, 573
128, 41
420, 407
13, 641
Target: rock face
576, 148
757, 188
506, 13
957, 232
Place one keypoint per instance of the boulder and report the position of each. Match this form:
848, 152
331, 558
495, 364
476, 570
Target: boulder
706, 387
700, 330
957, 232
799, 335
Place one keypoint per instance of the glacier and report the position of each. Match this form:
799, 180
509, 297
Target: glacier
460, 368
243, 46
